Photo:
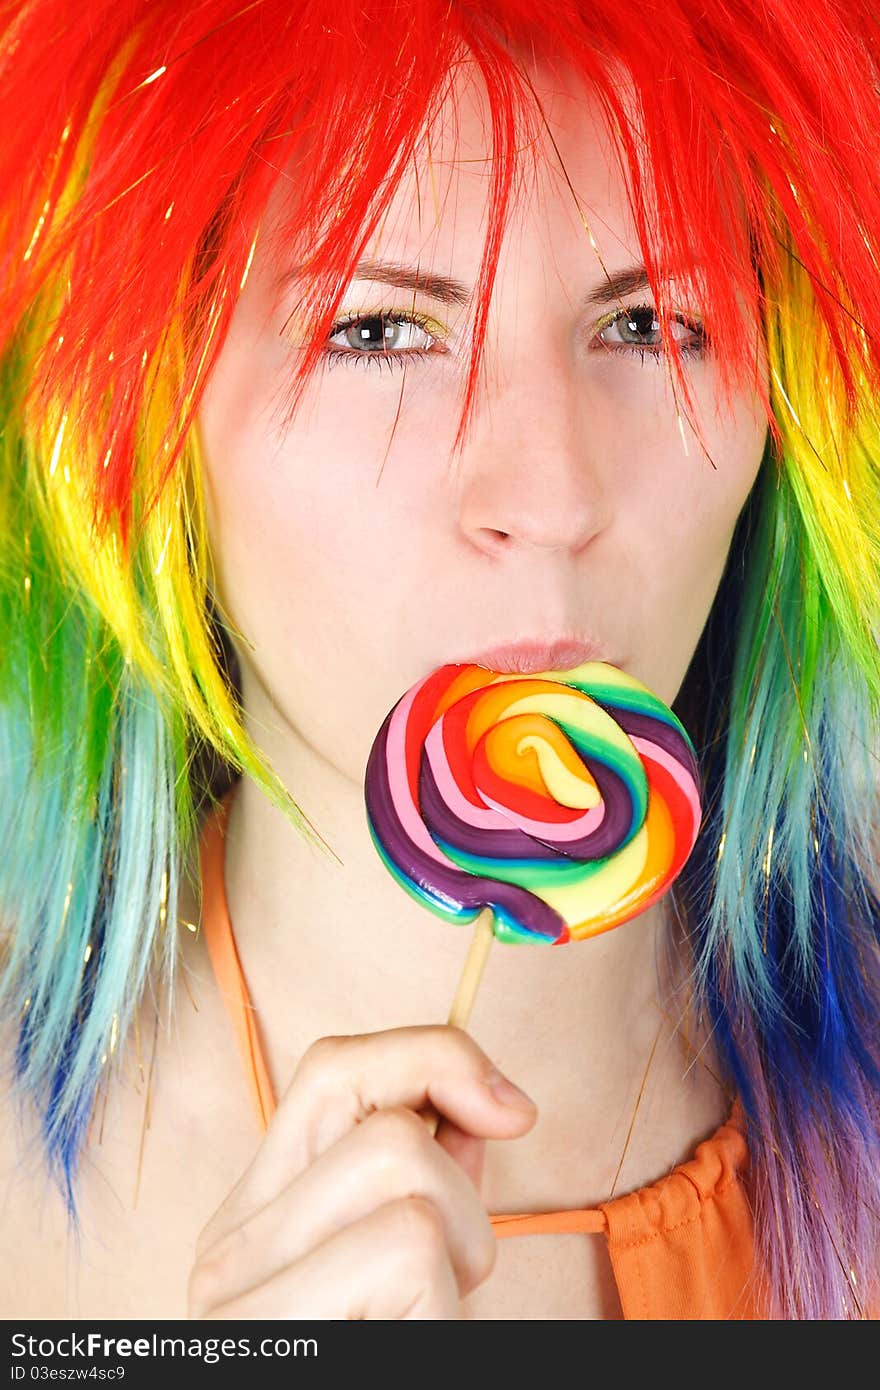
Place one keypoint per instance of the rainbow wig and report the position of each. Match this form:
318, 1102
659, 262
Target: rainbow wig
141, 142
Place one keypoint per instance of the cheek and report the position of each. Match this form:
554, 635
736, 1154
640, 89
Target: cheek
283, 529
676, 517
317, 557
691, 495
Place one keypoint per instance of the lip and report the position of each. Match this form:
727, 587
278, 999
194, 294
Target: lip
526, 658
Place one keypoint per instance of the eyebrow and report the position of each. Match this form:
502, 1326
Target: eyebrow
449, 291
627, 281
410, 277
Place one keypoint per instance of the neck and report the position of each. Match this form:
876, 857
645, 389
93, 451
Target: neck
337, 948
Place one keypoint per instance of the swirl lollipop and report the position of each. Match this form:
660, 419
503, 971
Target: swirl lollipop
549, 807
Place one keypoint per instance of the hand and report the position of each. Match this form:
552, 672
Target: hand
350, 1209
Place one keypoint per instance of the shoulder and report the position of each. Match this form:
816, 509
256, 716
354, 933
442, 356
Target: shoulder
33, 1219
164, 1147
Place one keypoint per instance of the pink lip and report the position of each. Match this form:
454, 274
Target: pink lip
525, 658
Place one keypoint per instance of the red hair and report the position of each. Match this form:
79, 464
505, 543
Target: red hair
142, 141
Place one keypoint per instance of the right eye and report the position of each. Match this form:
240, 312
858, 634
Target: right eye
384, 336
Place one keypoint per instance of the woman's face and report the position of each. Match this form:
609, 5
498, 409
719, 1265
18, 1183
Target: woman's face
351, 553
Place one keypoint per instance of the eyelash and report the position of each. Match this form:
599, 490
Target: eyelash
350, 356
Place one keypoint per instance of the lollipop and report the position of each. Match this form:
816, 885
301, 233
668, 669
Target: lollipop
548, 807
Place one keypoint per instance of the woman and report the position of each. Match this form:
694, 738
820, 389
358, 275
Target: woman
627, 272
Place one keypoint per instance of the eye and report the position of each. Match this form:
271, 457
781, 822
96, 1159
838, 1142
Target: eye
384, 337
390, 338
636, 328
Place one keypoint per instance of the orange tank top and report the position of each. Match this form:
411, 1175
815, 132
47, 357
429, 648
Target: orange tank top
680, 1248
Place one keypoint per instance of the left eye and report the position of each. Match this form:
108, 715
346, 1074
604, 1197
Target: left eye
637, 329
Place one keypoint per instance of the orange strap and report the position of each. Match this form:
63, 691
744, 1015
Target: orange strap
217, 930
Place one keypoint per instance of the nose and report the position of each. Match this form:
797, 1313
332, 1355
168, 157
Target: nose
528, 476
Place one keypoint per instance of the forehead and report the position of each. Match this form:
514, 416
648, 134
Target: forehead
566, 181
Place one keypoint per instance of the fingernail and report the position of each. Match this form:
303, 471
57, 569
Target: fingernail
508, 1094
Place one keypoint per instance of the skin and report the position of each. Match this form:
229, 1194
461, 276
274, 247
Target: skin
348, 557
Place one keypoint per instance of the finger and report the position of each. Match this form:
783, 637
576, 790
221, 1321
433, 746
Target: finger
392, 1264
342, 1080
467, 1151
388, 1157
